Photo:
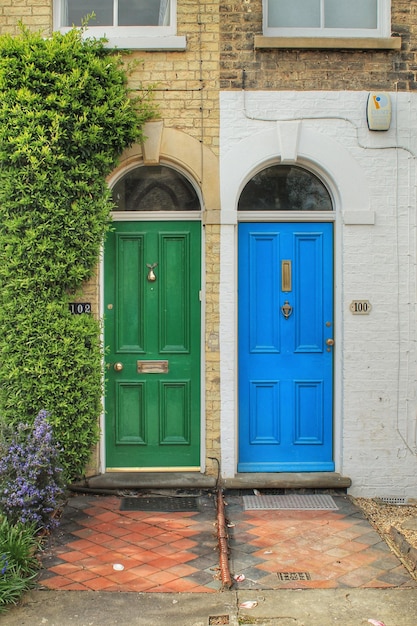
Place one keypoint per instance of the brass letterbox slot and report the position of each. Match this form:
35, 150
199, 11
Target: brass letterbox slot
286, 276
152, 367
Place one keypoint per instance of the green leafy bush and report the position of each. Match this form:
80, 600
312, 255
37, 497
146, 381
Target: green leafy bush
18, 562
65, 116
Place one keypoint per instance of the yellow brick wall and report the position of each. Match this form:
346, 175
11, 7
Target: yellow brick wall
35, 14
212, 360
186, 83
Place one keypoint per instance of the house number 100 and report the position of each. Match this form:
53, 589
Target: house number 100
360, 307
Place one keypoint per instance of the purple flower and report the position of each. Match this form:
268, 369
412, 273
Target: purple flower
30, 474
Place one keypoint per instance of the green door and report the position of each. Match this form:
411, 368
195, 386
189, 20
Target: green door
152, 337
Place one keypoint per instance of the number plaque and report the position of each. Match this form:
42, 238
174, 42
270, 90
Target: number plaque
77, 308
360, 307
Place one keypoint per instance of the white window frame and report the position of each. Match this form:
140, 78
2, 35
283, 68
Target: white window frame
131, 37
383, 26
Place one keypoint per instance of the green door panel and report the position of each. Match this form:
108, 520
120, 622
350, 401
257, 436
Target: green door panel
129, 404
175, 310
152, 328
129, 295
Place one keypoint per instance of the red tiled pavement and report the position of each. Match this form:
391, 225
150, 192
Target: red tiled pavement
284, 549
164, 552
177, 552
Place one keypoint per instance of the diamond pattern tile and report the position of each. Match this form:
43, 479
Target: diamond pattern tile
158, 552
174, 551
336, 548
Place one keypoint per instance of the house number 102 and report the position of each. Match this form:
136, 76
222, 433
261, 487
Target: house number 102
77, 308
360, 307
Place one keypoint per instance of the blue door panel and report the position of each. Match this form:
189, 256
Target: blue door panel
285, 366
264, 398
308, 291
308, 412
263, 296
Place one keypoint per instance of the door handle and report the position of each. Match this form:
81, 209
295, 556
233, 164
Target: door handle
329, 344
118, 366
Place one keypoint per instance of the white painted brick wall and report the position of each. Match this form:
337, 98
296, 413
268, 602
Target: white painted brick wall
376, 362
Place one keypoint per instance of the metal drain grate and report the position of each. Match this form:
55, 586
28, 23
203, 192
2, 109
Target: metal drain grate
286, 576
315, 502
158, 503
393, 499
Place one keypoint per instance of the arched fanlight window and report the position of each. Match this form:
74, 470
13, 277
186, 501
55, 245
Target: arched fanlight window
155, 188
285, 188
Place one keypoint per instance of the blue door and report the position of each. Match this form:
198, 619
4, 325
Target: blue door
285, 347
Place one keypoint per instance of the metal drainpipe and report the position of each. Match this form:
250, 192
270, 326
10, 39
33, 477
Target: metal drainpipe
222, 538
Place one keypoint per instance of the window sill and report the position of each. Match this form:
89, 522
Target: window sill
170, 42
334, 43
136, 38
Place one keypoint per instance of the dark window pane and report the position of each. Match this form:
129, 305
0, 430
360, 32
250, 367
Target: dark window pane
294, 13
74, 11
155, 188
351, 14
143, 12
285, 188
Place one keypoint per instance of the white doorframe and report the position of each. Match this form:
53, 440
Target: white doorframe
161, 216
331, 162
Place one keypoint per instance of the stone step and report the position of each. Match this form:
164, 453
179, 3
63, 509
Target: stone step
195, 480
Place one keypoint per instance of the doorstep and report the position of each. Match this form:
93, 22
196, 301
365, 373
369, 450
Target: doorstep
147, 480
288, 480
194, 480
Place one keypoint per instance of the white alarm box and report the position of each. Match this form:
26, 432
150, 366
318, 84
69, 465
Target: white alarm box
379, 110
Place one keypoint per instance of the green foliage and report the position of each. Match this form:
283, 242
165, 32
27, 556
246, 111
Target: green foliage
53, 360
18, 562
65, 116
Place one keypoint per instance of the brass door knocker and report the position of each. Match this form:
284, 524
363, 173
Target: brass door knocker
151, 274
286, 309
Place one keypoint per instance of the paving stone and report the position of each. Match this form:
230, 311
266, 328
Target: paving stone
178, 552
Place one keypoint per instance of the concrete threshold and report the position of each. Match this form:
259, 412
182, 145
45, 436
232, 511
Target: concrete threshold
193, 480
